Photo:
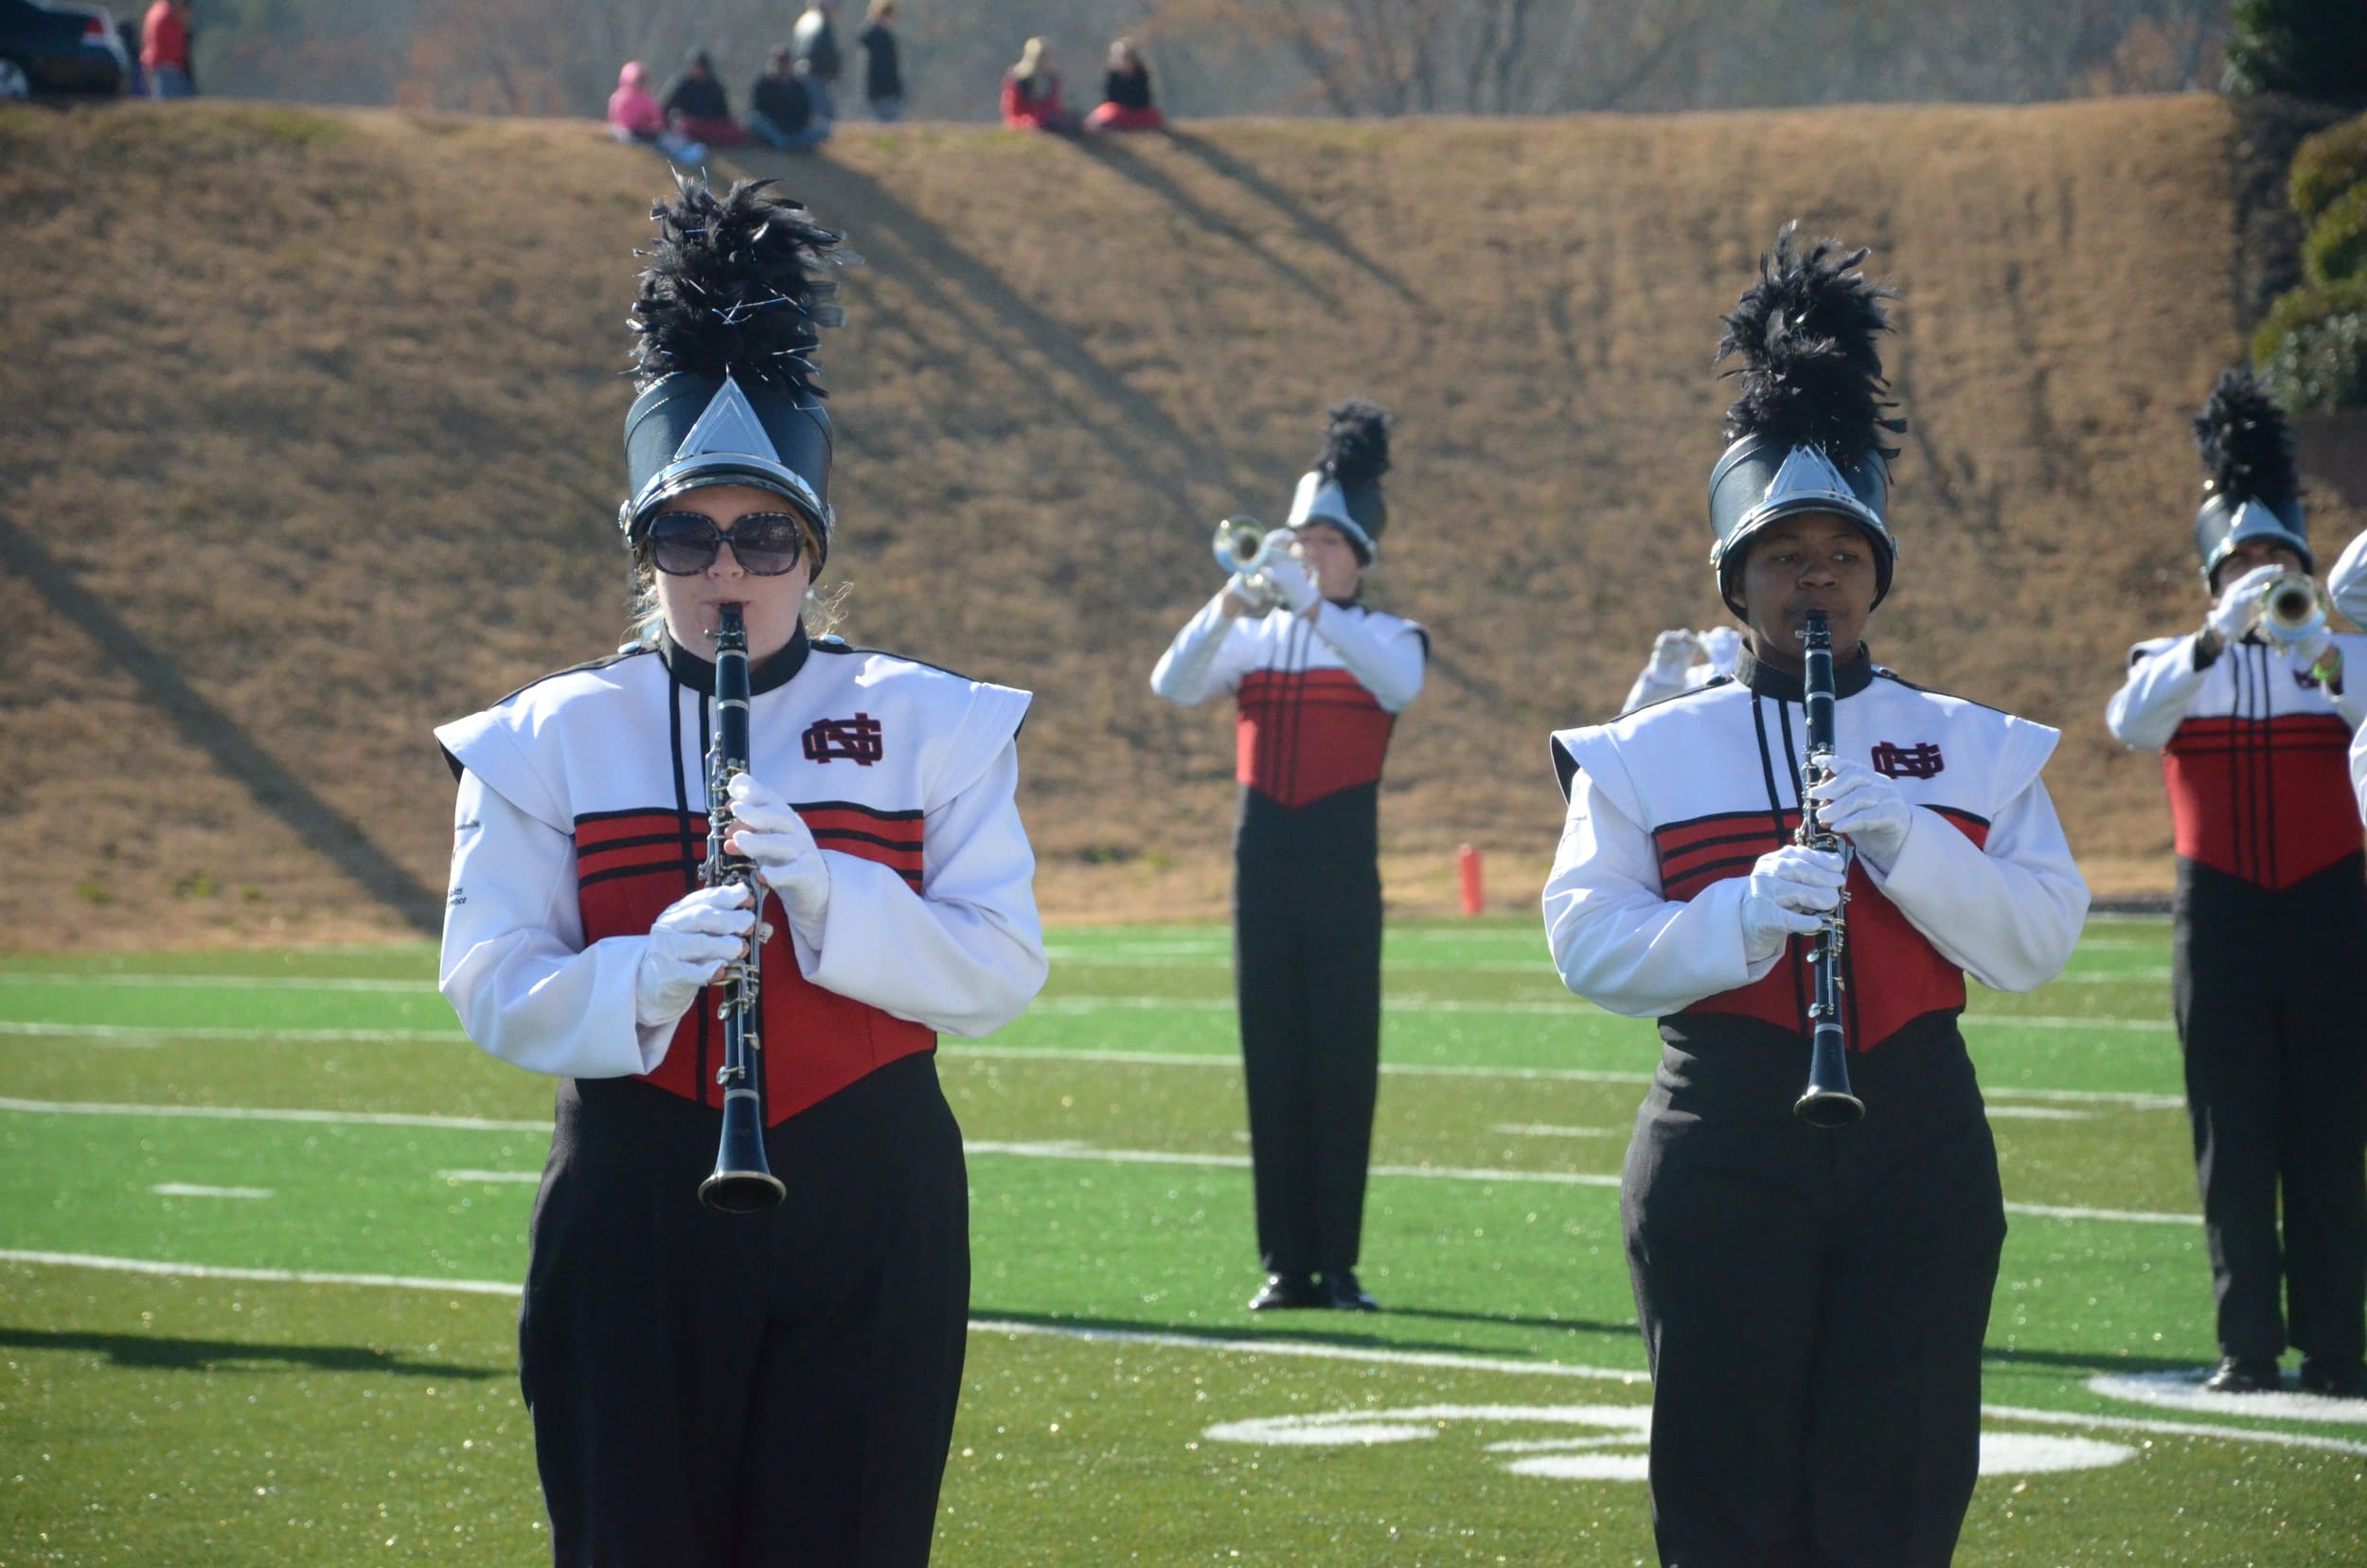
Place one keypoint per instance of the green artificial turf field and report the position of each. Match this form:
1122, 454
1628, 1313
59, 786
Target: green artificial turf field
261, 1221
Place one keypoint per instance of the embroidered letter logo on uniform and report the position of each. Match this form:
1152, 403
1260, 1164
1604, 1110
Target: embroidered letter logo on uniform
856, 739
1895, 761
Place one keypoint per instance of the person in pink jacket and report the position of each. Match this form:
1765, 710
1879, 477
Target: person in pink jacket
633, 116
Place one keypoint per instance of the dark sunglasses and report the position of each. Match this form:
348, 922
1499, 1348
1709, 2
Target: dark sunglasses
684, 543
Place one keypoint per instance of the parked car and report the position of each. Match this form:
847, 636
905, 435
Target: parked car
60, 50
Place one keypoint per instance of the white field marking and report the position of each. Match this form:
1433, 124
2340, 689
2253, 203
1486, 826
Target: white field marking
144, 1035
2184, 1391
1420, 1002
1525, 1130
234, 1112
1224, 1345
1057, 1150
489, 1175
217, 982
1555, 1075
2040, 1112
183, 1189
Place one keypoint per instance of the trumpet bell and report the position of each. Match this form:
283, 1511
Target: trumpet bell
1240, 546
2292, 606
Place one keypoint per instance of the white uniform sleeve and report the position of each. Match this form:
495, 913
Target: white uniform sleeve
1615, 940
514, 965
2347, 582
2358, 770
2007, 913
2151, 703
1386, 659
1211, 655
965, 954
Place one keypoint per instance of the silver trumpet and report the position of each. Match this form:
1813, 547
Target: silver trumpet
1245, 547
2292, 606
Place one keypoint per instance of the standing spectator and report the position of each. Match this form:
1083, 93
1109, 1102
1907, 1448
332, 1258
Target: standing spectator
1031, 93
814, 44
634, 116
1126, 94
164, 51
697, 106
780, 110
882, 73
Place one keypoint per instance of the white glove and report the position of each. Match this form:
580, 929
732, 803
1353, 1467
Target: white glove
1291, 584
689, 945
1786, 890
1723, 646
1673, 654
1867, 809
2319, 655
2239, 610
769, 832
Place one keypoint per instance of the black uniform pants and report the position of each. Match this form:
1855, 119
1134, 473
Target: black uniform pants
712, 1390
1307, 980
1813, 1302
2268, 990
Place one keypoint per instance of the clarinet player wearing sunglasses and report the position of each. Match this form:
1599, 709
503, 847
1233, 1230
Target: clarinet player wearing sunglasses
716, 1387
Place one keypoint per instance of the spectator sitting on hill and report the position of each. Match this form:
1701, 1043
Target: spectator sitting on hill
1031, 93
696, 105
780, 110
883, 74
634, 116
1126, 94
164, 51
814, 43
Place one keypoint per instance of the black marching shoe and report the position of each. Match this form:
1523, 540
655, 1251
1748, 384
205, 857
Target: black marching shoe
2335, 1379
2244, 1375
1343, 1293
1287, 1289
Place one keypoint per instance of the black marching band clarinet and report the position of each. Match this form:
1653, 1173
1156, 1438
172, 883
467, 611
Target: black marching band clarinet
1827, 1102
742, 1182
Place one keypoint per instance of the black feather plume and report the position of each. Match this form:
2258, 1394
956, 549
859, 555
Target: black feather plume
1811, 373
738, 283
2247, 447
1356, 443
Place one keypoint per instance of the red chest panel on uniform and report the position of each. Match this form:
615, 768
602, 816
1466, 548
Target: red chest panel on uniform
2266, 800
629, 865
1895, 975
1308, 733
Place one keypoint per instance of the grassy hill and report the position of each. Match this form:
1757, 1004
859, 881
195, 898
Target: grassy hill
309, 439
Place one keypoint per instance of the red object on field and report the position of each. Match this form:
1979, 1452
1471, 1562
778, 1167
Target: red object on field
1467, 861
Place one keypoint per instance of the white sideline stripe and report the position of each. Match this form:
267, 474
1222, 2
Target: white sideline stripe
489, 1176
215, 981
1032, 1150
1539, 1130
236, 1113
1437, 1360
184, 1190
2040, 1112
149, 1035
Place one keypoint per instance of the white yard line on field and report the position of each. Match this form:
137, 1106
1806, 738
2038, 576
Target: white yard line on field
241, 1112
1229, 1346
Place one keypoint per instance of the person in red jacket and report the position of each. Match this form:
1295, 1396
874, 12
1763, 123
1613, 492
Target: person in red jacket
1031, 93
165, 50
1126, 103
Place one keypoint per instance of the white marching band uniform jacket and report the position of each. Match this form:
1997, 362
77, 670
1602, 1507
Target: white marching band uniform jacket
1669, 806
581, 817
2347, 584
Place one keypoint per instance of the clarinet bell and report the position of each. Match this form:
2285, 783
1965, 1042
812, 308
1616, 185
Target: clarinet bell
1827, 1102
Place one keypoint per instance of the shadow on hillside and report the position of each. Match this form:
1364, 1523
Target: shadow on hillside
1141, 435
164, 1353
1167, 1333
274, 787
1309, 225
1108, 154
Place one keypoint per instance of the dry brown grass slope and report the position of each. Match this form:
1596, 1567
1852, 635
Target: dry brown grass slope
308, 440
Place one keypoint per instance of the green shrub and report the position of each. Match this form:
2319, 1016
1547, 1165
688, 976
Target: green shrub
2314, 49
2327, 165
2311, 302
2336, 246
2320, 364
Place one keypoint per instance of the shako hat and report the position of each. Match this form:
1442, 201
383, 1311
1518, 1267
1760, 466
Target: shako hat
730, 313
1343, 486
2250, 487
1807, 432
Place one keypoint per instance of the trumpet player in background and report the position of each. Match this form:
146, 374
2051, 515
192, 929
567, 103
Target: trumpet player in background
1319, 678
1812, 1296
2253, 715
714, 1389
1682, 660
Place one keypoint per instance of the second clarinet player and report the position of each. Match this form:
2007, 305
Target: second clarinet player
1812, 1298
